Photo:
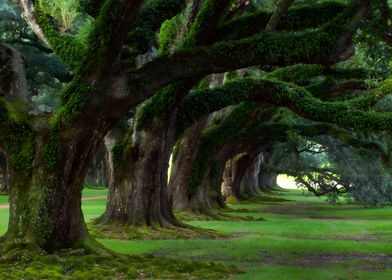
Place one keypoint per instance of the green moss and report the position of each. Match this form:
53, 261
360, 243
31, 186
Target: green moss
91, 7
167, 33
121, 231
17, 138
74, 99
150, 19
200, 31
65, 46
159, 105
68, 266
213, 138
50, 151
297, 18
164, 101
297, 73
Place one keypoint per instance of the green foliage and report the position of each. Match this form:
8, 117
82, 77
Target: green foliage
74, 99
280, 49
64, 11
297, 18
65, 46
169, 31
51, 149
213, 138
297, 73
151, 17
205, 101
199, 32
17, 138
91, 7
159, 105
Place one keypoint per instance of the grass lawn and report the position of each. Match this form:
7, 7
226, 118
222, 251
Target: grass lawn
304, 238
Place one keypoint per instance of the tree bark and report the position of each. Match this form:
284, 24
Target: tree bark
207, 195
182, 165
235, 170
4, 172
251, 178
281, 9
45, 202
138, 193
267, 180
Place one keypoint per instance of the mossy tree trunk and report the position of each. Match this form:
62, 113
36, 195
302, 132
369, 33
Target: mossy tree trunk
207, 194
181, 169
235, 170
4, 172
45, 195
138, 193
267, 180
251, 178
267, 177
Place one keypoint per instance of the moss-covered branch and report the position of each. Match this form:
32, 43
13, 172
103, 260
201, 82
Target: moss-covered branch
151, 17
164, 101
202, 102
327, 45
65, 46
296, 18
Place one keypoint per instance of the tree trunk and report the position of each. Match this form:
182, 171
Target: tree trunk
227, 180
240, 167
251, 178
267, 180
138, 193
182, 165
207, 195
4, 172
45, 200
232, 177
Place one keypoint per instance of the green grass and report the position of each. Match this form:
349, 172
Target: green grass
303, 238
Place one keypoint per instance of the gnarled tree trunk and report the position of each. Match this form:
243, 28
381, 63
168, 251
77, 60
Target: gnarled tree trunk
267, 181
4, 172
138, 193
233, 175
45, 199
251, 178
182, 165
207, 195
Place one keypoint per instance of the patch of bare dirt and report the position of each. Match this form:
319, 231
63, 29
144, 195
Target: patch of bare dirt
299, 210
373, 262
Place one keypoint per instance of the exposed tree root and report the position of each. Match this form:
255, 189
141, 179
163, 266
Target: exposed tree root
261, 198
24, 260
225, 214
121, 231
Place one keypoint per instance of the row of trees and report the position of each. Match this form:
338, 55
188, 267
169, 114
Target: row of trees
203, 82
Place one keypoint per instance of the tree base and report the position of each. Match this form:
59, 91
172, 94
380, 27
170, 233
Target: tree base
213, 215
33, 263
130, 232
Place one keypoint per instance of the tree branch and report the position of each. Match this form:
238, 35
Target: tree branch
281, 9
345, 113
12, 75
27, 7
